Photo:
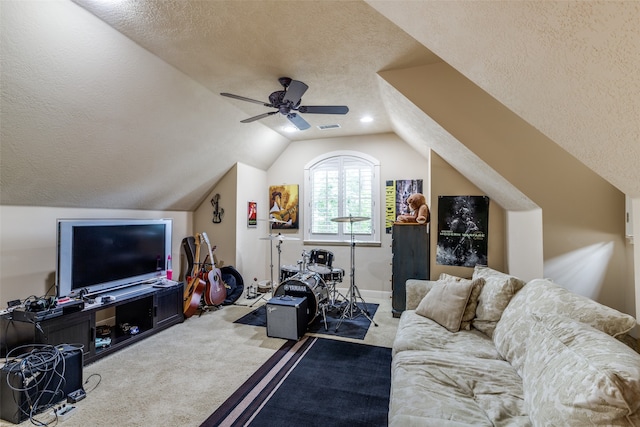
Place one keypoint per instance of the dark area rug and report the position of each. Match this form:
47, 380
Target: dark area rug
313, 382
355, 328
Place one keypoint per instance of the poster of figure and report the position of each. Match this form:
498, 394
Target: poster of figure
284, 206
463, 224
252, 215
397, 192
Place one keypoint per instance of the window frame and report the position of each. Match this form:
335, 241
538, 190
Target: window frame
343, 237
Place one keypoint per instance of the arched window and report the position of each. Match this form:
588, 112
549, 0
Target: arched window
342, 184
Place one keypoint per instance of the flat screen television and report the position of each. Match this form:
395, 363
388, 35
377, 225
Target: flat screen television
97, 255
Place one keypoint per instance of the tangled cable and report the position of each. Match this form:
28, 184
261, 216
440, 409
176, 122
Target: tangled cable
37, 374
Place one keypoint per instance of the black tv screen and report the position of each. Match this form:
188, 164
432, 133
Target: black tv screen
98, 255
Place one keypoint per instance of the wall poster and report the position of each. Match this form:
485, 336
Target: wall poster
463, 225
284, 206
397, 192
252, 215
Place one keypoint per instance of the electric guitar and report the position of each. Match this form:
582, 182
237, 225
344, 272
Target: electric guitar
215, 293
195, 287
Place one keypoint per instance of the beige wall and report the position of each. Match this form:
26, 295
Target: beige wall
223, 234
582, 214
28, 244
446, 181
398, 161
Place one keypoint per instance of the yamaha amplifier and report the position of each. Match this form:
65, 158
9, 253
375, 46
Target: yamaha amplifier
29, 388
287, 317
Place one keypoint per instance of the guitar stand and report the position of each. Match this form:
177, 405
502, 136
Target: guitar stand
352, 310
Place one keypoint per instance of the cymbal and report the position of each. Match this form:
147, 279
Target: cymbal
279, 237
350, 218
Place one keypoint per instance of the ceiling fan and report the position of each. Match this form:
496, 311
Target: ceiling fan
287, 103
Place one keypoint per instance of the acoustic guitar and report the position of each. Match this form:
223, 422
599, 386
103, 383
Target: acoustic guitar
215, 293
195, 287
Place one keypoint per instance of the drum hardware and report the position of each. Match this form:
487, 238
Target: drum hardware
280, 238
352, 310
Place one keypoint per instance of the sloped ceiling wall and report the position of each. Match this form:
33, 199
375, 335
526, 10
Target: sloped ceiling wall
568, 68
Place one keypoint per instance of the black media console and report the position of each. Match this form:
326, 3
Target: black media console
146, 308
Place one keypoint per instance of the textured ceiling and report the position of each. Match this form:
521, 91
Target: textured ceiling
115, 104
132, 117
243, 47
569, 68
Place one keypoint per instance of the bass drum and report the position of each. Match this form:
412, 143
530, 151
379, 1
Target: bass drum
308, 285
235, 283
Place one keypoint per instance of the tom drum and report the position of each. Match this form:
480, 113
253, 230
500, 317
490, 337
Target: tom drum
320, 261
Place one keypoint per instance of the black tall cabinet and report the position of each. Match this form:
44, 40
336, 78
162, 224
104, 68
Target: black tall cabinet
410, 249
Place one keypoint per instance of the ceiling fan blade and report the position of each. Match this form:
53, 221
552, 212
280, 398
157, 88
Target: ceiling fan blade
324, 109
242, 98
295, 91
298, 121
258, 117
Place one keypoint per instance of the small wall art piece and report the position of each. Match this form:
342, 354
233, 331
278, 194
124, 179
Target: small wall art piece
252, 215
284, 206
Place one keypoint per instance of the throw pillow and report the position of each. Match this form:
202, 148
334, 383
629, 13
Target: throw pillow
470, 310
445, 304
496, 293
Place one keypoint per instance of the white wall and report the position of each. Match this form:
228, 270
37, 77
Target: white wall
524, 244
398, 161
251, 252
28, 244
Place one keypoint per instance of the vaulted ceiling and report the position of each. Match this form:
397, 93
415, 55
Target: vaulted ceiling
116, 104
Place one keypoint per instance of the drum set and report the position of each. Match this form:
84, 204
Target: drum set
315, 277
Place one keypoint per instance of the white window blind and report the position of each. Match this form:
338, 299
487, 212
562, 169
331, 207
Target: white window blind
341, 185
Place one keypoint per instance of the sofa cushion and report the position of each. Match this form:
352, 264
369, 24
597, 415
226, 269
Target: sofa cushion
446, 303
417, 332
577, 375
472, 304
416, 290
434, 388
541, 296
496, 293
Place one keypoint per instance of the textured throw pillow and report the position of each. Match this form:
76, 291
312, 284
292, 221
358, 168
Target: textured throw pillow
470, 310
445, 303
496, 293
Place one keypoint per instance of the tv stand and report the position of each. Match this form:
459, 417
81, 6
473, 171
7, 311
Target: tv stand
150, 309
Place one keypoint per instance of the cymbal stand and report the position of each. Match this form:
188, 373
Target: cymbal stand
263, 296
352, 310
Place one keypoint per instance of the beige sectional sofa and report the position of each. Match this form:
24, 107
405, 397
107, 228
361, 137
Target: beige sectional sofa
494, 351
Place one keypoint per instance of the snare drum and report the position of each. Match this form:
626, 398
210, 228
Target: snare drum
337, 274
308, 285
320, 261
287, 271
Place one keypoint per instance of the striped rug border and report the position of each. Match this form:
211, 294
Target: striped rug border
245, 402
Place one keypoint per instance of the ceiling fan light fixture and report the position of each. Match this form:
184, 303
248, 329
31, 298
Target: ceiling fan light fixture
366, 119
287, 103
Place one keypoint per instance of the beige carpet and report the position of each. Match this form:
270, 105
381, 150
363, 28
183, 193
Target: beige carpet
179, 376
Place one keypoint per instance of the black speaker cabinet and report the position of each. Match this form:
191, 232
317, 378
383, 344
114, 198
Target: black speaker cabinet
287, 317
38, 385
